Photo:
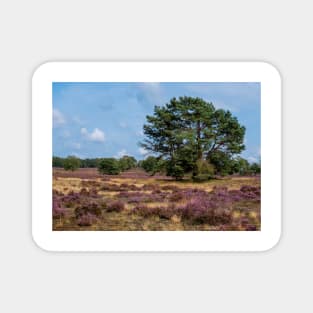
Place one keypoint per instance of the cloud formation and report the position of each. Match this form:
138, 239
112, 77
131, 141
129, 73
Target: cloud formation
121, 153
96, 135
142, 151
58, 118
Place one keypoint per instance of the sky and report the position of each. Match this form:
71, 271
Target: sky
106, 119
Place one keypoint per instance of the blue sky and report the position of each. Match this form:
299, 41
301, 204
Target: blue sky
106, 119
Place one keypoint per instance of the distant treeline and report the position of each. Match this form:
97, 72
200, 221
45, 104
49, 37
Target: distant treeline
83, 163
221, 164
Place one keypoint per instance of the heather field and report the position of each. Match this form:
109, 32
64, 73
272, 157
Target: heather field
134, 200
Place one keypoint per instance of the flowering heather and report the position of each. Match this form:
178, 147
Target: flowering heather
57, 192
142, 202
169, 187
86, 219
90, 183
176, 196
160, 211
92, 208
57, 209
139, 197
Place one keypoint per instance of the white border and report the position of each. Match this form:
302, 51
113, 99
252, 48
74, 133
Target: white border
156, 72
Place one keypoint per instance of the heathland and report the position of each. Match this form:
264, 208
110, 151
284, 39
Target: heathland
134, 200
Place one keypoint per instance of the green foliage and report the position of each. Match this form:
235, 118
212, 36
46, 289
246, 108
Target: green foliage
255, 168
174, 170
71, 163
203, 171
222, 162
203, 167
189, 129
150, 164
57, 162
90, 163
109, 166
241, 166
127, 162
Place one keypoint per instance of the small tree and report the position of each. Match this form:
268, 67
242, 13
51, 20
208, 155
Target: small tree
57, 162
109, 166
255, 168
149, 164
127, 162
241, 166
71, 163
174, 169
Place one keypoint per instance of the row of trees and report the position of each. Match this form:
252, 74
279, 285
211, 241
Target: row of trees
221, 165
105, 165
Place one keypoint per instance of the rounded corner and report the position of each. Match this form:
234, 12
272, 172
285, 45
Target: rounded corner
274, 243
40, 69
39, 244
272, 69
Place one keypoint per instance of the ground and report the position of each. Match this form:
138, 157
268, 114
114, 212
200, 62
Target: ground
134, 200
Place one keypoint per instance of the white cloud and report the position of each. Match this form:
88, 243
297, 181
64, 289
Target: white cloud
140, 133
84, 131
252, 159
97, 135
121, 153
142, 151
58, 118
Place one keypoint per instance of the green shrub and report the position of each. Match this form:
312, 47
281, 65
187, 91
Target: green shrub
203, 171
109, 166
71, 163
201, 178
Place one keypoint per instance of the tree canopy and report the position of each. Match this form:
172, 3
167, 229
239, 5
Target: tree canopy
187, 130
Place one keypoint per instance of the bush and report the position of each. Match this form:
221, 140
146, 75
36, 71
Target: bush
92, 208
109, 166
71, 163
203, 171
127, 162
150, 164
57, 210
115, 206
87, 219
201, 210
175, 171
201, 178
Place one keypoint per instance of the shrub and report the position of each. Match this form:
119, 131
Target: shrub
57, 210
176, 196
203, 171
201, 178
109, 166
175, 171
71, 163
203, 210
115, 206
92, 208
87, 219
